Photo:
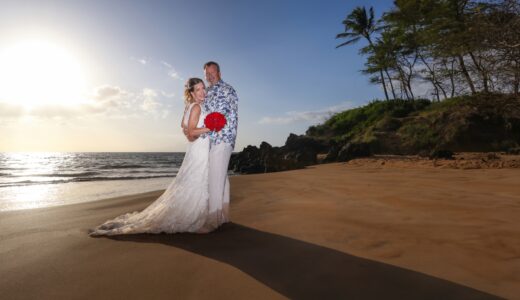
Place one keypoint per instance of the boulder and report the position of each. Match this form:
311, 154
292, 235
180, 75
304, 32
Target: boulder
441, 154
353, 150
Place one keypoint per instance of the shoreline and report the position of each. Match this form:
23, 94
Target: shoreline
54, 195
340, 229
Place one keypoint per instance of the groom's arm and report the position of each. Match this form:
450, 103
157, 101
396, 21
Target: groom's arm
232, 111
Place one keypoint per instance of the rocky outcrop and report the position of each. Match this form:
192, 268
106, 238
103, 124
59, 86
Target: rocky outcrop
353, 150
298, 152
441, 154
479, 123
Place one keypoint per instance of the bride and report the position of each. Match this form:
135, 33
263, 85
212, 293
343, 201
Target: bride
183, 207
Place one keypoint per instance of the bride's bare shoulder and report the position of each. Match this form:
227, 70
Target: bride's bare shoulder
195, 107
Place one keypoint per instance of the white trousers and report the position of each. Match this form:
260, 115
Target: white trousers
219, 156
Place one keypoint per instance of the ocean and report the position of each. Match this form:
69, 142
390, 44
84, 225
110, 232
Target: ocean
43, 179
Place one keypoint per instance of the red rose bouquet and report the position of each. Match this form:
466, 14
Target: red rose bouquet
215, 121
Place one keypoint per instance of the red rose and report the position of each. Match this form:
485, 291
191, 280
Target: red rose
215, 121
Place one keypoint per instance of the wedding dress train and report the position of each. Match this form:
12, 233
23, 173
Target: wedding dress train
183, 207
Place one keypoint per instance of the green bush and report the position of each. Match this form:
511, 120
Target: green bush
411, 126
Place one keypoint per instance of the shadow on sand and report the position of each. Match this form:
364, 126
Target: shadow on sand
300, 270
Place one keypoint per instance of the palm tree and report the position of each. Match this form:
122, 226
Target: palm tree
360, 25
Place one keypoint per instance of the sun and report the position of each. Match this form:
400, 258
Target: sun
37, 72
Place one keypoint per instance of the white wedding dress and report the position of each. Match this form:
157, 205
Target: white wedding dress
183, 207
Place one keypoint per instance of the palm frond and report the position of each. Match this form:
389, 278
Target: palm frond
349, 42
345, 35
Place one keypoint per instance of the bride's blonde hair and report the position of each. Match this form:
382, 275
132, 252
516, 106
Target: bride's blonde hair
189, 88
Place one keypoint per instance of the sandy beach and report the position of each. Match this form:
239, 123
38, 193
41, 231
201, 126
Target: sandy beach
357, 230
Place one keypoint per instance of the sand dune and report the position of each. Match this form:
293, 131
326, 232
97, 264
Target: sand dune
358, 231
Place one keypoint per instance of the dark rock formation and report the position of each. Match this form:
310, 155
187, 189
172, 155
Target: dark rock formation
353, 150
332, 153
298, 152
514, 150
441, 153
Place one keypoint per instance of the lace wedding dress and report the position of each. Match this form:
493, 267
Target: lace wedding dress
183, 207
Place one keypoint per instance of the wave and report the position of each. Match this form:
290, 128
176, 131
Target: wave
152, 172
81, 179
122, 167
58, 174
121, 178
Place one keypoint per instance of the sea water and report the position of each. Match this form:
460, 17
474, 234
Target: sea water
42, 179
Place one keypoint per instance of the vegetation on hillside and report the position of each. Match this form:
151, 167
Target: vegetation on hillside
482, 122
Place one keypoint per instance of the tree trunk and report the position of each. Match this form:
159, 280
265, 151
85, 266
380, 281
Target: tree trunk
380, 70
391, 84
436, 84
402, 78
516, 82
466, 74
482, 72
452, 78
383, 83
410, 74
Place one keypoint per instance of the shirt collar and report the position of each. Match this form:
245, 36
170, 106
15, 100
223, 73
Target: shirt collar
218, 83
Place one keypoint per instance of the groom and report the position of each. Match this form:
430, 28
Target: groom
222, 98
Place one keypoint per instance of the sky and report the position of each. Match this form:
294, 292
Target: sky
109, 75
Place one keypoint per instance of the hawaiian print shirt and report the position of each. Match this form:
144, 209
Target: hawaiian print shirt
222, 98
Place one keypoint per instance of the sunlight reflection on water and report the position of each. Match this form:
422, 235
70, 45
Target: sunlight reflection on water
35, 196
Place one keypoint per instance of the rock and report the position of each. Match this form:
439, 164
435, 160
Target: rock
353, 150
265, 147
270, 159
251, 169
303, 157
441, 153
332, 154
303, 150
424, 153
248, 161
297, 142
514, 151
492, 156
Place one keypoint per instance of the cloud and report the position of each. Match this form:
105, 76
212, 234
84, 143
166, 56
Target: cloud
315, 116
55, 111
165, 113
106, 100
107, 92
8, 110
150, 103
174, 74
170, 70
108, 96
167, 65
167, 95
143, 60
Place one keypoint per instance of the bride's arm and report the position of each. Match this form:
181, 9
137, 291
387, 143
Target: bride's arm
193, 131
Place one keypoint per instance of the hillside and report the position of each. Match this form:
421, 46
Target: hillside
478, 123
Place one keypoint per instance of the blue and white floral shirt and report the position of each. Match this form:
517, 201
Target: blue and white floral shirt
222, 98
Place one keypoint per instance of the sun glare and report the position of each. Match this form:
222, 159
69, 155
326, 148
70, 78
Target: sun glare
35, 73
